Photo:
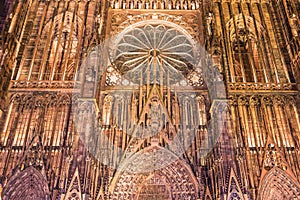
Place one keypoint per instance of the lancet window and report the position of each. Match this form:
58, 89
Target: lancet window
62, 52
249, 49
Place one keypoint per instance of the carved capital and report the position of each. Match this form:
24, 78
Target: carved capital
267, 100
273, 158
233, 100
254, 100
278, 100
243, 101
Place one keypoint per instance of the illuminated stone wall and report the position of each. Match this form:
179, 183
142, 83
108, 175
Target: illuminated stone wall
150, 99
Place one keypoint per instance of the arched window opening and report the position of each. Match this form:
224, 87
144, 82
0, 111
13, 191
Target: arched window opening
249, 59
62, 52
241, 56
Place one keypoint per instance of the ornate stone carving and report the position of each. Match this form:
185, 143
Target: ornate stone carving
267, 100
113, 77
43, 99
234, 189
241, 28
175, 125
155, 4
217, 53
195, 78
158, 52
273, 158
261, 86
210, 23
277, 184
74, 190
174, 176
47, 85
26, 183
107, 110
254, 100
121, 21
278, 100
233, 100
243, 100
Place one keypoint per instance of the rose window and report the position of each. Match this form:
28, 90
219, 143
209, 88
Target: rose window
155, 53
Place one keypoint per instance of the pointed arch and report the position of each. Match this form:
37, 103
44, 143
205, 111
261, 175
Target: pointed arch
234, 190
208, 195
64, 100
64, 31
171, 175
277, 184
250, 62
29, 184
74, 190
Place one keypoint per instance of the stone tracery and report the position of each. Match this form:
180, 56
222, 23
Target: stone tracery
174, 175
277, 184
27, 184
264, 30
156, 48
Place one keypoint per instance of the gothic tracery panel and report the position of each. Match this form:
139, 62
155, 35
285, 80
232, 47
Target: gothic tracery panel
157, 48
148, 119
277, 184
173, 178
27, 184
61, 63
249, 48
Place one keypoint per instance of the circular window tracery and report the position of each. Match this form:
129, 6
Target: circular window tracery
154, 51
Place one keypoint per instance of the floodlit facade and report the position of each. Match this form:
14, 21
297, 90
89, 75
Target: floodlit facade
150, 99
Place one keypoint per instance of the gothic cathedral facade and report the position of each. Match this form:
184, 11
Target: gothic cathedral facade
150, 99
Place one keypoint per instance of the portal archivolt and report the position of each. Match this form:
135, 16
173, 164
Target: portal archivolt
277, 184
154, 173
28, 184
